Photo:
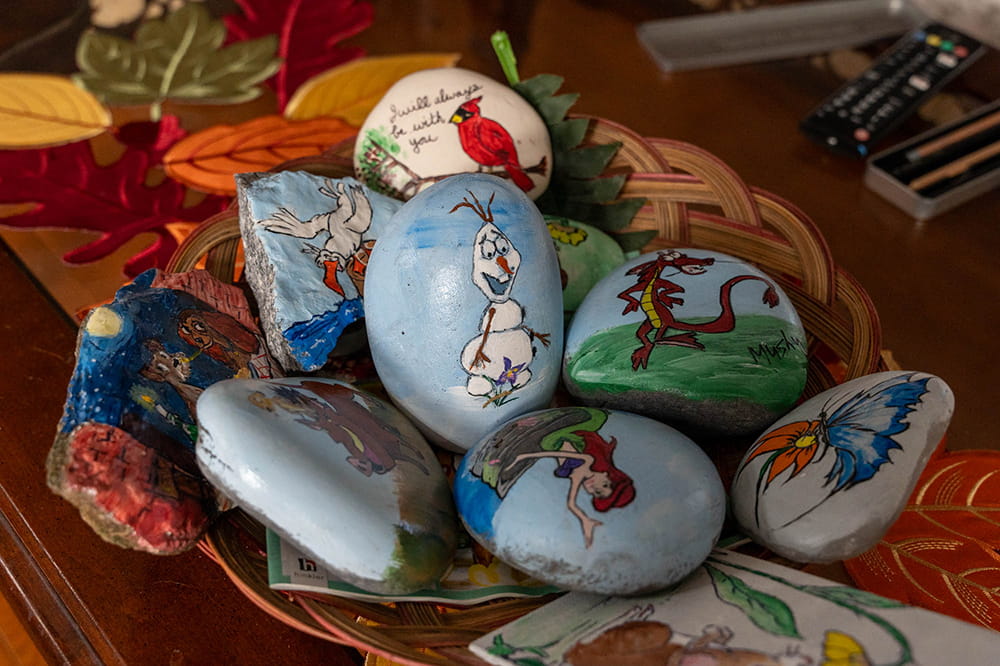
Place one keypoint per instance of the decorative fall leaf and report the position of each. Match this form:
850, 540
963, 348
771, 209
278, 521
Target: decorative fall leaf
178, 57
352, 90
309, 32
38, 110
943, 553
70, 190
207, 160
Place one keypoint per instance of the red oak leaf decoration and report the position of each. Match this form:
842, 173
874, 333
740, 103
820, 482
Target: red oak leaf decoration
309, 32
944, 551
67, 189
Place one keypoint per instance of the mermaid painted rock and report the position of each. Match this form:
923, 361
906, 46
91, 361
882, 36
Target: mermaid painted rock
592, 499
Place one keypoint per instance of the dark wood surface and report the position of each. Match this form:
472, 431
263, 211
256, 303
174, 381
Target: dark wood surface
935, 284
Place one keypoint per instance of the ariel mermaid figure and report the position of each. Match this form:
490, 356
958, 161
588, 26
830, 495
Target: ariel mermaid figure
569, 436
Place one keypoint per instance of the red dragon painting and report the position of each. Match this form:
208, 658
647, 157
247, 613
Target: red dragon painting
656, 302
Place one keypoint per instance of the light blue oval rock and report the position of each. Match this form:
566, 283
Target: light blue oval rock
594, 500
339, 473
698, 339
464, 308
586, 254
829, 479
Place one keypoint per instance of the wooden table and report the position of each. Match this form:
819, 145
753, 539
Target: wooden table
935, 285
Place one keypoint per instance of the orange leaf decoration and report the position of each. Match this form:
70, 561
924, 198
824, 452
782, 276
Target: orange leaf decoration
942, 553
38, 110
352, 90
207, 160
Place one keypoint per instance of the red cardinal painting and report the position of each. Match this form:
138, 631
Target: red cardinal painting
488, 143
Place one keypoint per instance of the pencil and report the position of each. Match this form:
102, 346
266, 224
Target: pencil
956, 168
983, 123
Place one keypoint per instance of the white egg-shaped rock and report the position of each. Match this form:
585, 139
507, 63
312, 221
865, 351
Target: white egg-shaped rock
437, 123
463, 308
825, 482
698, 339
337, 472
593, 500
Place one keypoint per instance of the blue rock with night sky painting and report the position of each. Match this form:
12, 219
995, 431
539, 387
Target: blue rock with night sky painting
698, 339
307, 241
591, 499
124, 451
464, 308
826, 481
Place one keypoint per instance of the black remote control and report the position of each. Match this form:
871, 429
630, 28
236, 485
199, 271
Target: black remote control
864, 110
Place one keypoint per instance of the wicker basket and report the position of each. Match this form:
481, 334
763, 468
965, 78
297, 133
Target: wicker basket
694, 200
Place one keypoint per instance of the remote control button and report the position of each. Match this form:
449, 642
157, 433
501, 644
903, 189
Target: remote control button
919, 82
934, 40
946, 60
861, 134
947, 45
961, 51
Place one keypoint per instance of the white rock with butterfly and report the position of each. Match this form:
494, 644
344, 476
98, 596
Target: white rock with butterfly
826, 481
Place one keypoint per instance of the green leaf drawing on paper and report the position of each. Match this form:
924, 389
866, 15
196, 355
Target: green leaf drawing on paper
178, 57
842, 594
767, 612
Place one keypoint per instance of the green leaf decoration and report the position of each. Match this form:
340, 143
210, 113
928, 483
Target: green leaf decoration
589, 161
850, 595
178, 57
577, 190
767, 612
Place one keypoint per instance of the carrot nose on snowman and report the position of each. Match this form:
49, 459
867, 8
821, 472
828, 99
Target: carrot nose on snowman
502, 263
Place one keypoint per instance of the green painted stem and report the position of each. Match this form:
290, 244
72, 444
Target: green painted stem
906, 656
505, 54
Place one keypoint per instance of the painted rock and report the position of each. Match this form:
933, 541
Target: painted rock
124, 452
650, 510
818, 486
307, 241
464, 309
440, 122
694, 338
586, 254
339, 473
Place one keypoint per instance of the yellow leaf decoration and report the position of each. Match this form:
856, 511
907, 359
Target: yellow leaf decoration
38, 110
350, 91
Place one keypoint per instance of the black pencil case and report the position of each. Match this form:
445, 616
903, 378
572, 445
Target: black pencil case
923, 185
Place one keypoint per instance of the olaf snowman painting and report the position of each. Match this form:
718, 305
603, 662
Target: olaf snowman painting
498, 357
464, 308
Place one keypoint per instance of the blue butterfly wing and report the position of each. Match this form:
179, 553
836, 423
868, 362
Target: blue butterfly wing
861, 429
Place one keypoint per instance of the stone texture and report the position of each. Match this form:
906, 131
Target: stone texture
124, 451
441, 122
697, 339
592, 500
825, 482
338, 472
464, 309
307, 241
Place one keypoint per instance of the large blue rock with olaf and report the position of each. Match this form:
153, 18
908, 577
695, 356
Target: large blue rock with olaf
464, 308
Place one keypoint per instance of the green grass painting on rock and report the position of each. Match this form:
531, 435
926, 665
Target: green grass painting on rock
763, 359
